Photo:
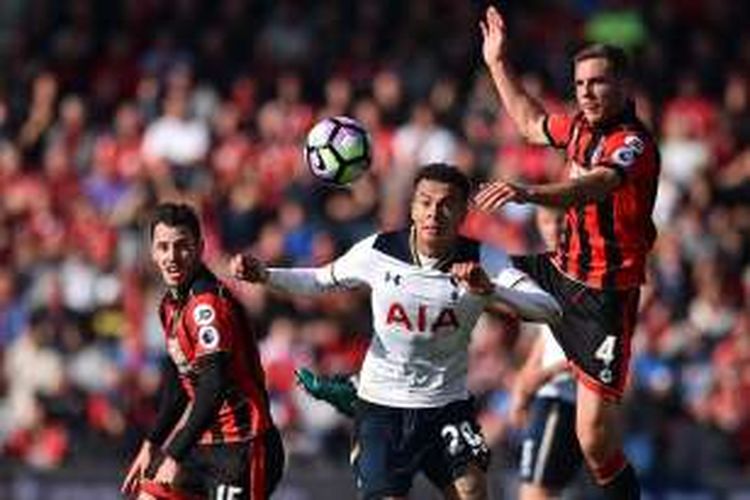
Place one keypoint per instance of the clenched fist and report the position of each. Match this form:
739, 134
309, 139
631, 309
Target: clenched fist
248, 268
472, 277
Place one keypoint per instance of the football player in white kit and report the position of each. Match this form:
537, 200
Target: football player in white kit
428, 286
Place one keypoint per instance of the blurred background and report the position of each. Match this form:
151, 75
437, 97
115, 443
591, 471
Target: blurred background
107, 107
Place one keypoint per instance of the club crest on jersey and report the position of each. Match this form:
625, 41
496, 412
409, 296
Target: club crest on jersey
203, 314
397, 315
208, 337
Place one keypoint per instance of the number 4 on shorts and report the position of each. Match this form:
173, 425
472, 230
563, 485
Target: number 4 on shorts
606, 350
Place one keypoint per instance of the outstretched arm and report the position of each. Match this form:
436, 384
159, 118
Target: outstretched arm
306, 281
514, 288
527, 114
589, 188
347, 272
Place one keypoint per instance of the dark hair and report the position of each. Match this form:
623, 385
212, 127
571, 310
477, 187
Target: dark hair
618, 59
175, 215
448, 174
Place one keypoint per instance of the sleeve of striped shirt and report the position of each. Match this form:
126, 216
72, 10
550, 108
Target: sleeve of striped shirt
630, 154
209, 395
558, 127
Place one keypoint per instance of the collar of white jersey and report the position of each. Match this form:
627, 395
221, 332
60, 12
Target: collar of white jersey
441, 262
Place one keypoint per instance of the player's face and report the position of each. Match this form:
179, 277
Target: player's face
437, 210
599, 94
175, 252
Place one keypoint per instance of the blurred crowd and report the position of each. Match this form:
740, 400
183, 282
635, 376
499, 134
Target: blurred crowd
108, 107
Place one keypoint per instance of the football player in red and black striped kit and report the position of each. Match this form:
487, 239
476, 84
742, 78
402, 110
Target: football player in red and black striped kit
214, 437
599, 264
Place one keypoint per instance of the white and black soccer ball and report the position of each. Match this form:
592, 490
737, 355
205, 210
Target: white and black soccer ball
338, 150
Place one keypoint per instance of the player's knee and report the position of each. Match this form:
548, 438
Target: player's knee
471, 486
536, 492
156, 491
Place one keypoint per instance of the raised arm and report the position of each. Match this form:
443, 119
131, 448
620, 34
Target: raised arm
527, 114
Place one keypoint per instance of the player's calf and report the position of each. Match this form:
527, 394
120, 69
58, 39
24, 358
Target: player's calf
599, 433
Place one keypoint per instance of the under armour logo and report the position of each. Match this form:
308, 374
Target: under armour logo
396, 278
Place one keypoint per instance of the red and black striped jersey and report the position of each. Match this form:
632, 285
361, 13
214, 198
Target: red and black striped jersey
604, 244
207, 319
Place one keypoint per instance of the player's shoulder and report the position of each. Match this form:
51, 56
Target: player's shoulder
207, 293
393, 244
631, 132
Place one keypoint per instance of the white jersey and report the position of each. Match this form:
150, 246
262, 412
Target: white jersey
422, 318
561, 386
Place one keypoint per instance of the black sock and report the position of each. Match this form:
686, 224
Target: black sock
624, 486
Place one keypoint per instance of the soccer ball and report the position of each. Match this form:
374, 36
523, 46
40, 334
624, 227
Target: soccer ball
338, 150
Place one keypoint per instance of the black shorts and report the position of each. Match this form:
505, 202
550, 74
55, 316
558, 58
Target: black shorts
236, 471
392, 444
596, 327
550, 453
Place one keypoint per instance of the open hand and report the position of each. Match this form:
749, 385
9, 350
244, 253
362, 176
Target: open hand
496, 194
493, 36
137, 469
167, 471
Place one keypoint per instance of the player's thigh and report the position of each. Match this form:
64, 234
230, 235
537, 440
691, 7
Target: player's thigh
245, 471
471, 485
550, 454
456, 448
595, 333
539, 268
384, 454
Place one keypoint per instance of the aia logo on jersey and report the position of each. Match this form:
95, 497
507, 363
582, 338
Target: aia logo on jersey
420, 322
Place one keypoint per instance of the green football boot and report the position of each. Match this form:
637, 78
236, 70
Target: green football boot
338, 390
